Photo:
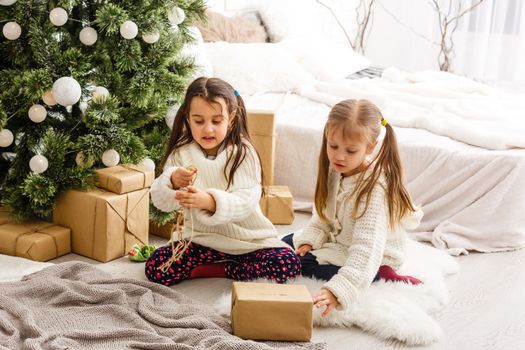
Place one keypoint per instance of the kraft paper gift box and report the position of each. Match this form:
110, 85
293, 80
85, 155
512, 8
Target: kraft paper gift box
265, 311
35, 240
277, 205
162, 230
4, 216
124, 178
104, 225
261, 127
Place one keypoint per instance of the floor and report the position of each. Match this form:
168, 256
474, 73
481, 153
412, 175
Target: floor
486, 309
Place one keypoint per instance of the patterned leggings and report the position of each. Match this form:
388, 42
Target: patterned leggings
277, 264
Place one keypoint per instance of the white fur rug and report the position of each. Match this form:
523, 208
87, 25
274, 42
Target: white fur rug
391, 310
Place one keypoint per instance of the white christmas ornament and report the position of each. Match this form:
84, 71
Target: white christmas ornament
100, 94
38, 164
129, 30
58, 16
37, 113
171, 114
49, 99
88, 36
151, 38
66, 91
147, 164
6, 138
176, 15
7, 2
12, 30
110, 157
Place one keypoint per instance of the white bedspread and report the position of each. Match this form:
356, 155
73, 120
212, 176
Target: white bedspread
473, 198
442, 103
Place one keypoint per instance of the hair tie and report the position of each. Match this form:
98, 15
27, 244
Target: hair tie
236, 93
384, 122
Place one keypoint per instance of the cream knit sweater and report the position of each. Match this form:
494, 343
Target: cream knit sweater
359, 246
238, 225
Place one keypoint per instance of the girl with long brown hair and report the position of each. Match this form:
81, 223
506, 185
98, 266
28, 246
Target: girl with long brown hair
357, 233
230, 235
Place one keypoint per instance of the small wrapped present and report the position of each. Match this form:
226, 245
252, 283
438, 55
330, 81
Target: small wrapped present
277, 205
141, 254
4, 216
104, 225
35, 240
261, 127
162, 230
266, 311
124, 178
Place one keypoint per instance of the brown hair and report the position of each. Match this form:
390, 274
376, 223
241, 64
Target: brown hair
210, 89
362, 119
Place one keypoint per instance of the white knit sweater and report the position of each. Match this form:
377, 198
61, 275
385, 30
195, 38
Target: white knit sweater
238, 225
359, 246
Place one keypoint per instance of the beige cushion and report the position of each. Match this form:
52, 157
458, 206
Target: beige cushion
235, 29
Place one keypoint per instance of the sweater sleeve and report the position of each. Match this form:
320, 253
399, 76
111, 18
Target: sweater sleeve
162, 192
365, 252
237, 205
314, 234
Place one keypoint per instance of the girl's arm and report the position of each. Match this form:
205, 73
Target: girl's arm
314, 234
162, 191
365, 252
238, 204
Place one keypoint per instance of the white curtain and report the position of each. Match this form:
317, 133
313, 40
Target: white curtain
489, 43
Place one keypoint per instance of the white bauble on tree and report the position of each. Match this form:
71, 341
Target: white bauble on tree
66, 91
58, 16
151, 38
7, 2
171, 114
48, 98
38, 164
176, 15
129, 30
147, 164
100, 94
6, 138
110, 157
12, 30
37, 113
88, 36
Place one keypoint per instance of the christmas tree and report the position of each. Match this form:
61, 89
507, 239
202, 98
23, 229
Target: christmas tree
86, 84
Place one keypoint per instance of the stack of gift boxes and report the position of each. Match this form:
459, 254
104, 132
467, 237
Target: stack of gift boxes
277, 201
102, 224
107, 221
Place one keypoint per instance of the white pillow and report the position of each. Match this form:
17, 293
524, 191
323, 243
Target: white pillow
313, 35
257, 67
327, 61
196, 51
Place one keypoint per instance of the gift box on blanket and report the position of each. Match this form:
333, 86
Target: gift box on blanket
124, 178
266, 311
35, 240
261, 127
277, 205
104, 225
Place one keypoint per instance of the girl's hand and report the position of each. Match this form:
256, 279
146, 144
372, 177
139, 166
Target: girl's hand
325, 298
302, 250
182, 177
195, 198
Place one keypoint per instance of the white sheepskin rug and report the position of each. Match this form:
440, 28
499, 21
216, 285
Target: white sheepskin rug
391, 310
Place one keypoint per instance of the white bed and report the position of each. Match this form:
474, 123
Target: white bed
473, 198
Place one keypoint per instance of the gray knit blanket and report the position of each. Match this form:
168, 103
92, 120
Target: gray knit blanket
77, 306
